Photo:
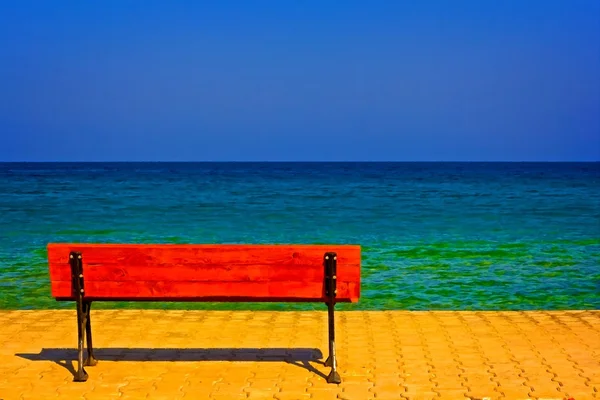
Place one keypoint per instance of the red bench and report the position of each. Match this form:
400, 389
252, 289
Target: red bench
225, 273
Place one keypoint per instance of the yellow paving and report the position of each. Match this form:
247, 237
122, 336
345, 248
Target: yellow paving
158, 354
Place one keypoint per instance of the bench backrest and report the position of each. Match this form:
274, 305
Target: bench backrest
167, 272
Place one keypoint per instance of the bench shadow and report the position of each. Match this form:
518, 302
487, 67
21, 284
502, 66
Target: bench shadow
67, 358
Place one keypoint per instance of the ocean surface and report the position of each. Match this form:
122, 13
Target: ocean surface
434, 236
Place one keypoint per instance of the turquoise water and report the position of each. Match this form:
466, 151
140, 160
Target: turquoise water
440, 236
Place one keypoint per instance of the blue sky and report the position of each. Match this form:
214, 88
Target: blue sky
300, 81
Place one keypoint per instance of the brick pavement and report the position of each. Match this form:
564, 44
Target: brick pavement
279, 355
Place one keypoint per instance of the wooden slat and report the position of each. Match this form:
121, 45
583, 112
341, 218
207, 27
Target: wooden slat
117, 266
201, 273
207, 291
161, 254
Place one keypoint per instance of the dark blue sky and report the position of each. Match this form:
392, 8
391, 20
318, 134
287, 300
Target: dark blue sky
314, 80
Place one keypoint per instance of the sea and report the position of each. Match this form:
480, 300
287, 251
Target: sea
434, 236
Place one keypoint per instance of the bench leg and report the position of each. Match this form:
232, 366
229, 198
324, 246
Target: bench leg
80, 374
84, 324
330, 262
334, 376
91, 360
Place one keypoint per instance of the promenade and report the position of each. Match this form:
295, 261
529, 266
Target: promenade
234, 355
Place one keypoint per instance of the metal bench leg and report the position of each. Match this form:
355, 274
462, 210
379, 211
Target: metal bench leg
91, 360
82, 311
334, 376
80, 375
330, 291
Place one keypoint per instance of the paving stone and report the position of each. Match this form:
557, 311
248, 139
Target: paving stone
261, 394
515, 392
482, 393
452, 394
389, 392
420, 395
356, 392
323, 393
291, 395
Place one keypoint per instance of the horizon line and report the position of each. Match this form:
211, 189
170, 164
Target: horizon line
291, 162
